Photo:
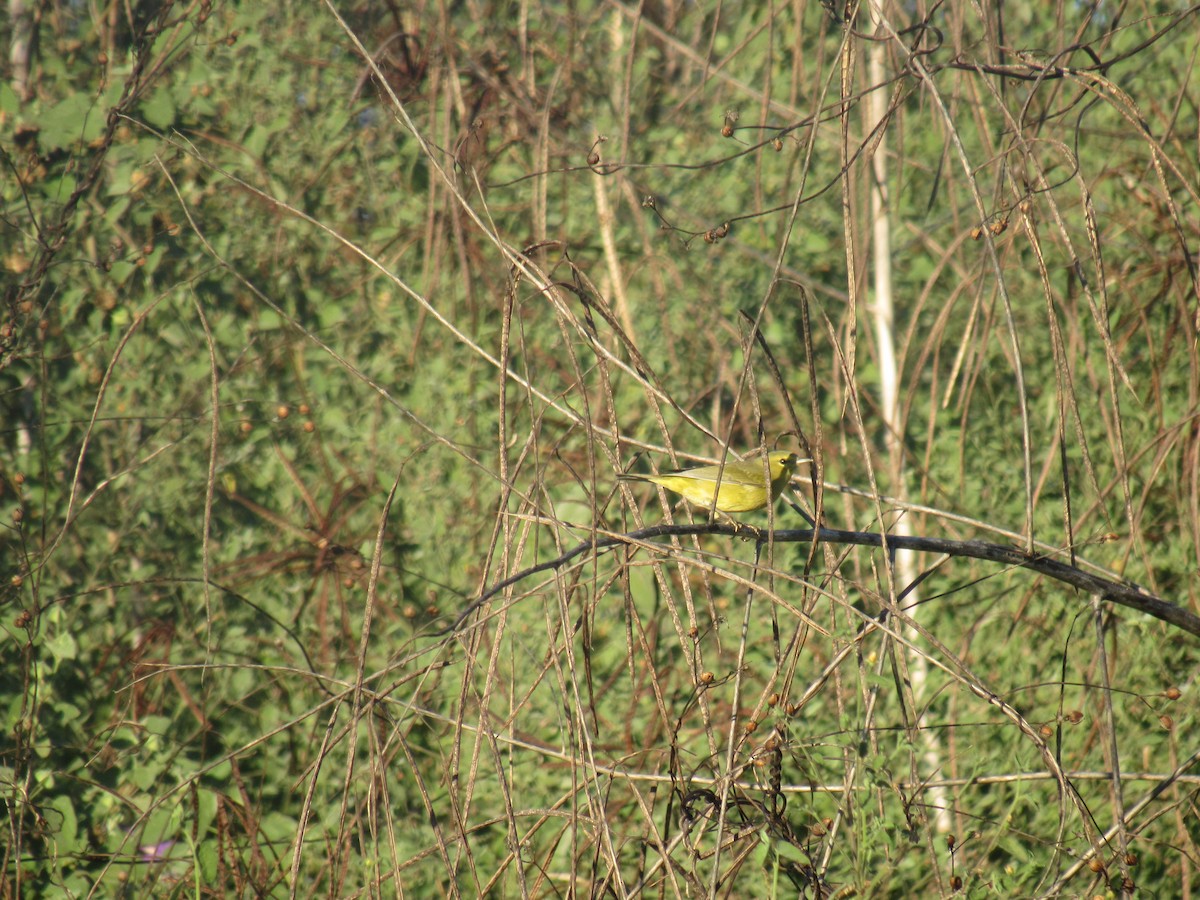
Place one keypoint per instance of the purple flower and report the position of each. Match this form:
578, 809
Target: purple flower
155, 852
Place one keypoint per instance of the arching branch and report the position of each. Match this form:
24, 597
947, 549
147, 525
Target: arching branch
1125, 593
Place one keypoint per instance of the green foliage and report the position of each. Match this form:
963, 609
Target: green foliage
206, 687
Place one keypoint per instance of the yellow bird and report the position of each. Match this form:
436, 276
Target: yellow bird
742, 486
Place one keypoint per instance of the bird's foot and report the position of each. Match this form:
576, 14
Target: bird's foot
748, 532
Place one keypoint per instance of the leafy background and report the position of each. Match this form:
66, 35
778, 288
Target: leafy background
321, 319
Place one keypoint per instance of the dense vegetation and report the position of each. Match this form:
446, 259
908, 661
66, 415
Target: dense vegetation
321, 319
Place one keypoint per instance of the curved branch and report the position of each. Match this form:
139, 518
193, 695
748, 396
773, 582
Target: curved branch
1124, 593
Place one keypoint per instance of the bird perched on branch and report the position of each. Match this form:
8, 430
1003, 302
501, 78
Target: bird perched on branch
743, 485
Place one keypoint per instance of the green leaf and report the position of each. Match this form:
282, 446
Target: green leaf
279, 828
121, 271
206, 861
75, 118
791, 851
65, 824
145, 775
157, 725
9, 103
67, 712
159, 109
62, 646
206, 810
58, 189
